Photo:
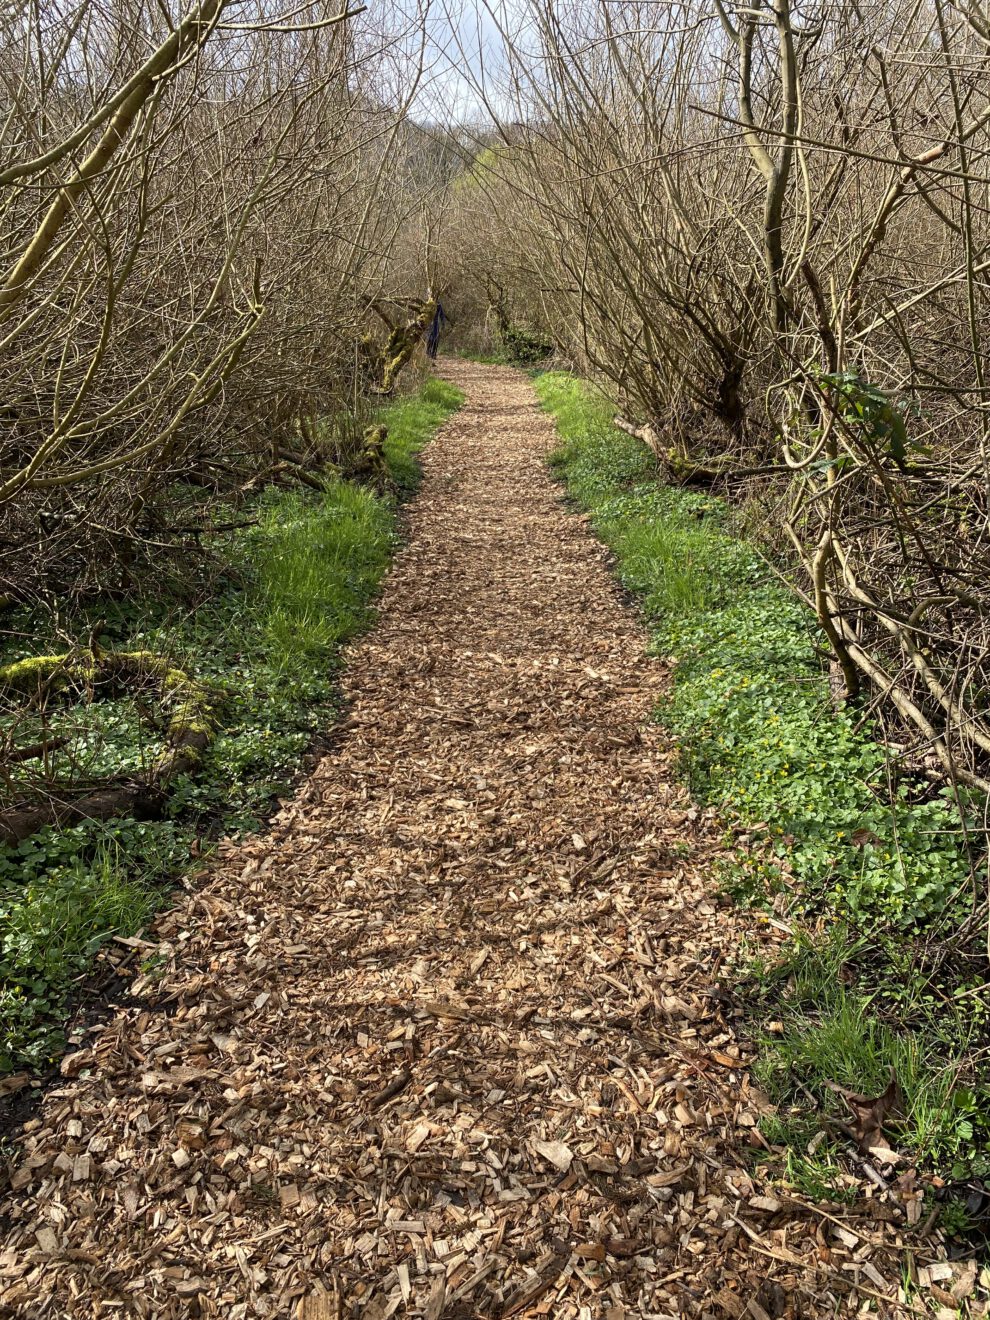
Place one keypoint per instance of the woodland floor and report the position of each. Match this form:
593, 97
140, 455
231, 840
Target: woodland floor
451, 1040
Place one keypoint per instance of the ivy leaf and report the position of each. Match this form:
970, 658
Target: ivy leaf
898, 437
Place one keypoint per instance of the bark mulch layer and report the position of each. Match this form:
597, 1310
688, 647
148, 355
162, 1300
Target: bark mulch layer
451, 1042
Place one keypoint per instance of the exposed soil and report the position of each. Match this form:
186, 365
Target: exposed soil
452, 1040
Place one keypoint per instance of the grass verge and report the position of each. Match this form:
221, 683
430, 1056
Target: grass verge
265, 634
871, 868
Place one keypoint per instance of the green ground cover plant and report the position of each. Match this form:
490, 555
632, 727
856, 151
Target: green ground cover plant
868, 863
264, 633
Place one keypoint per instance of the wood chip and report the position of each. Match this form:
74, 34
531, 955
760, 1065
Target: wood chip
559, 1154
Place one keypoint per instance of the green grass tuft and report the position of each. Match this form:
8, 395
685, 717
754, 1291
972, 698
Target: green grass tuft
316, 564
52, 926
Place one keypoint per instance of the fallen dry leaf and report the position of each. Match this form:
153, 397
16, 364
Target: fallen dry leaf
869, 1113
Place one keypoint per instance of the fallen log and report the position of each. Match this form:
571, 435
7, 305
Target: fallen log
683, 471
647, 434
189, 729
680, 470
34, 752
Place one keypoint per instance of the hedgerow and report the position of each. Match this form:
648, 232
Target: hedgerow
871, 861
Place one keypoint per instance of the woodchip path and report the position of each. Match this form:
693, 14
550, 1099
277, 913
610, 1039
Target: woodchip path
450, 1041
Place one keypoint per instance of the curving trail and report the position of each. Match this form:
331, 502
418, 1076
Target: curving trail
449, 1042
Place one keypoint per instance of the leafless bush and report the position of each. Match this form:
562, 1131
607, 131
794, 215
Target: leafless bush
200, 206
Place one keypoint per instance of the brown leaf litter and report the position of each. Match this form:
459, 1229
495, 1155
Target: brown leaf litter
450, 1042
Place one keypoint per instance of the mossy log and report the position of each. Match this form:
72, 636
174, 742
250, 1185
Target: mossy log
40, 674
295, 466
683, 471
190, 727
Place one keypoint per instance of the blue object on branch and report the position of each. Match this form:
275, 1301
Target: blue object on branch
433, 334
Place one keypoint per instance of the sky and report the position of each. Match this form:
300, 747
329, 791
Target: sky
465, 43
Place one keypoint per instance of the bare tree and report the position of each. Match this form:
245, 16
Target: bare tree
764, 225
200, 209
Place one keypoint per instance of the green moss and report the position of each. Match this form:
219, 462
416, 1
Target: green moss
191, 714
38, 671
402, 343
371, 464
393, 366
191, 718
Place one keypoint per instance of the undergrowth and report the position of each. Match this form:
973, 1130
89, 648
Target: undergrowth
516, 346
867, 861
264, 633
